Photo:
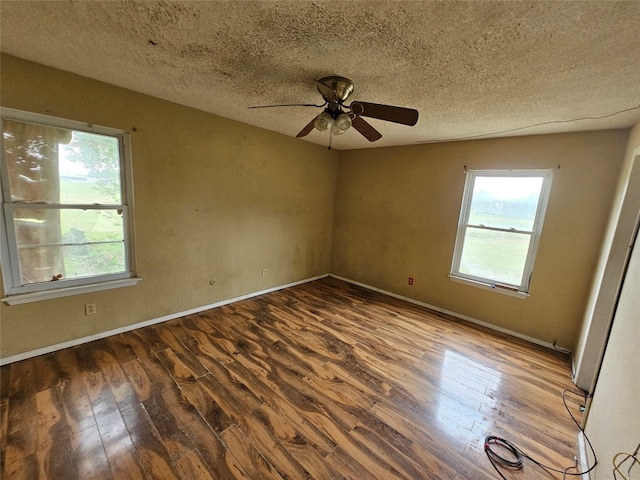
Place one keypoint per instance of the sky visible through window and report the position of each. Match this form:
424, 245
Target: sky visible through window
508, 188
68, 168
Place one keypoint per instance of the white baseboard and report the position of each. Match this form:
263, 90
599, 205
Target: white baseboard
146, 323
582, 456
153, 321
454, 314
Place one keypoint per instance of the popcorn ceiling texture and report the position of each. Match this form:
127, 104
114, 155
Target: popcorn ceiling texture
470, 68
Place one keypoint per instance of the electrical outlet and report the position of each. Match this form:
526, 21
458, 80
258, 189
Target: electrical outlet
90, 309
410, 282
264, 272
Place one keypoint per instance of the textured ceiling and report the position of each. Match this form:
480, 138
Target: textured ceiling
472, 69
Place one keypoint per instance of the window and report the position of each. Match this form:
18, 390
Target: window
499, 227
66, 216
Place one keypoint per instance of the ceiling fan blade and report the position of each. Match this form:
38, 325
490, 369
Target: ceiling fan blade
305, 131
389, 113
289, 105
327, 92
365, 129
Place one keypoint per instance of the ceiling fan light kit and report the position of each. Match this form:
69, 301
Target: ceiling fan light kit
337, 117
341, 124
323, 122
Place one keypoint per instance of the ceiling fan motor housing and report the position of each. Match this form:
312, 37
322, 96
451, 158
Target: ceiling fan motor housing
341, 86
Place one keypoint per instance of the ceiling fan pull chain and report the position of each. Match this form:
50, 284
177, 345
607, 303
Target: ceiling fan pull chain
330, 135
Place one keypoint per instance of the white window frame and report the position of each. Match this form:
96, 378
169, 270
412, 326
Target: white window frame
15, 291
522, 290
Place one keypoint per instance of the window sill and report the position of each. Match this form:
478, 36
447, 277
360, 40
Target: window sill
68, 291
489, 286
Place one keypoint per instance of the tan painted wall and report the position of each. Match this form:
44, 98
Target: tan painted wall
397, 211
214, 198
219, 199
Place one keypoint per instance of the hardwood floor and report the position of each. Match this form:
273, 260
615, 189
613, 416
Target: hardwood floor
325, 380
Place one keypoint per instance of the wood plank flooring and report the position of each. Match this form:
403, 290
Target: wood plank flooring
325, 380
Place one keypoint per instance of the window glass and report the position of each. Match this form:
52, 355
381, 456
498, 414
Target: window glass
508, 202
65, 209
68, 243
89, 170
499, 256
499, 227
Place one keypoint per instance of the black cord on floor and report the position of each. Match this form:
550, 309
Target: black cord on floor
516, 463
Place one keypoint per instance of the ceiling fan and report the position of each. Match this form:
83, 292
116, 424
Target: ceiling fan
337, 118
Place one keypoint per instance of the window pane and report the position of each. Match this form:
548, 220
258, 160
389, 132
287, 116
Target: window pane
68, 243
31, 156
90, 260
505, 202
61, 166
497, 256
90, 170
